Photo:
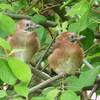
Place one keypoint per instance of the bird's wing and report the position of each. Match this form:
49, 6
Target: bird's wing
12, 41
57, 58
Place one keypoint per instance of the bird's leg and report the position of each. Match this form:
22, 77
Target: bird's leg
62, 83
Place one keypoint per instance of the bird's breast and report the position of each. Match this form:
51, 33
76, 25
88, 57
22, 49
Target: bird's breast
68, 66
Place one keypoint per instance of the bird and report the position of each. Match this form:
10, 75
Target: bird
67, 55
25, 40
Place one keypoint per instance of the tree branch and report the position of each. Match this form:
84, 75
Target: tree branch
96, 86
40, 74
32, 5
41, 85
87, 64
16, 16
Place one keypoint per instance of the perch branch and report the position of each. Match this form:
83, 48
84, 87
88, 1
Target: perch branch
42, 75
50, 80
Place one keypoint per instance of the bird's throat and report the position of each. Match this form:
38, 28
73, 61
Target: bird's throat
64, 41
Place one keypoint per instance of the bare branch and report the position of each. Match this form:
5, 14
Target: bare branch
40, 74
33, 89
96, 86
88, 64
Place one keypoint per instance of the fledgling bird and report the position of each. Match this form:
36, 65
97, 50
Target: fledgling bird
25, 39
67, 55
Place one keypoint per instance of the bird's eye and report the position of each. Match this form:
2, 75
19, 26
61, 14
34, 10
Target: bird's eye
72, 36
27, 24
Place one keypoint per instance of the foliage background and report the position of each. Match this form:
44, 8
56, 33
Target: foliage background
54, 16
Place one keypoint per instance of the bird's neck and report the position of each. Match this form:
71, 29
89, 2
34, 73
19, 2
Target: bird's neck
20, 30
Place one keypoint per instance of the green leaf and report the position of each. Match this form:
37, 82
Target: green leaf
73, 27
83, 22
2, 52
36, 10
38, 98
7, 25
46, 90
72, 83
93, 56
71, 80
88, 75
52, 94
18, 98
64, 26
84, 78
88, 41
42, 34
79, 8
3, 35
20, 4
65, 3
20, 69
39, 19
80, 25
92, 25
9, 76
2, 94
6, 7
22, 89
4, 44
69, 95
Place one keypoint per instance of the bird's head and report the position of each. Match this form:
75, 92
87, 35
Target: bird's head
26, 25
70, 37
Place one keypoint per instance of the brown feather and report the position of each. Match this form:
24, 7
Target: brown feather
67, 56
22, 39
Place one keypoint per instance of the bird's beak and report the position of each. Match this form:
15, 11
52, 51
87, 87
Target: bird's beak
80, 37
35, 26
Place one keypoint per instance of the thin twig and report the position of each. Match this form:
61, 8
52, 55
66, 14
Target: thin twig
94, 8
96, 86
13, 96
88, 64
17, 16
32, 5
41, 85
33, 89
46, 9
10, 2
51, 23
37, 65
40, 74
91, 47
